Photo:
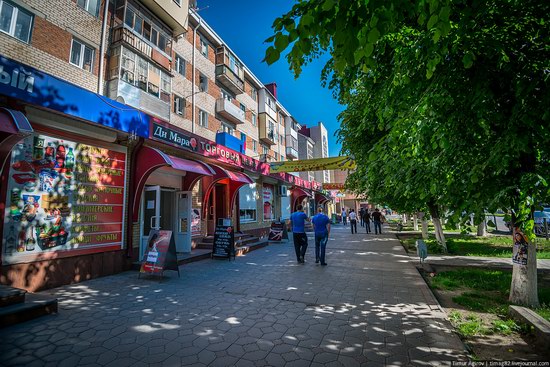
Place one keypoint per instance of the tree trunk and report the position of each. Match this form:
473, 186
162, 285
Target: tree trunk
523, 290
415, 222
482, 229
438, 227
424, 228
404, 219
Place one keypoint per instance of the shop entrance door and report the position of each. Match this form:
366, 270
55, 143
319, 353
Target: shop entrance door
184, 218
150, 214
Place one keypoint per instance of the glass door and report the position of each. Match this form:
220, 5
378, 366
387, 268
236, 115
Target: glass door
183, 228
150, 214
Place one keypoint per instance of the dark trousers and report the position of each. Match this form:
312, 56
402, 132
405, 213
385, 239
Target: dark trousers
345, 219
377, 227
320, 246
300, 245
362, 221
367, 226
353, 224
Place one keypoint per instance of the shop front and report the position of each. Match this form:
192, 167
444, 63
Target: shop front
64, 179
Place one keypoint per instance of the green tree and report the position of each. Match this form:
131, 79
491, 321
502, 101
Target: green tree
449, 95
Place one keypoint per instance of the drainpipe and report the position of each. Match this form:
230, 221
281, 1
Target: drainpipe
102, 48
194, 75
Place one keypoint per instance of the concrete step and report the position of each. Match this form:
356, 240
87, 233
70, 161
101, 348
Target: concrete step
239, 251
245, 241
205, 245
35, 305
10, 295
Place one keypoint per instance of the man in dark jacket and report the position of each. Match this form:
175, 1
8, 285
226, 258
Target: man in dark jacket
377, 219
361, 215
366, 219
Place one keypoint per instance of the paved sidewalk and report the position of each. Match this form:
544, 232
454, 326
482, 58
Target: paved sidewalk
369, 306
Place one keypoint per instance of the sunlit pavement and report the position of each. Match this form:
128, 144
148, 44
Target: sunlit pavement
369, 306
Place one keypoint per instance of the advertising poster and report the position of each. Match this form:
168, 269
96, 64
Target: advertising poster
195, 222
267, 196
62, 197
276, 231
160, 254
521, 245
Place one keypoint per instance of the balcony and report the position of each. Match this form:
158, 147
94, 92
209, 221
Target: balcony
291, 153
122, 34
231, 142
268, 135
174, 13
229, 111
229, 79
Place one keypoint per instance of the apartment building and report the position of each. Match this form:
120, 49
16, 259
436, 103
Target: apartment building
122, 119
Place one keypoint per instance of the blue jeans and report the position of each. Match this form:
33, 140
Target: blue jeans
377, 227
320, 246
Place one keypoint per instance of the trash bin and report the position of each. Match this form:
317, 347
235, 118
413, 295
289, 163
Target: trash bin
334, 218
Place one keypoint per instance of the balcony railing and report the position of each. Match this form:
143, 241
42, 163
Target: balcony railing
291, 153
268, 135
229, 79
229, 111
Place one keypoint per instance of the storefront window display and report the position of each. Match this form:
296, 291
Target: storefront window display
63, 197
248, 198
267, 196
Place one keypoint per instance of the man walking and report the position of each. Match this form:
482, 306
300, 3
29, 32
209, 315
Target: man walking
361, 216
366, 219
299, 236
321, 224
353, 220
377, 219
344, 216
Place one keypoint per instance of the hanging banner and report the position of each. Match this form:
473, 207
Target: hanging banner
317, 164
64, 198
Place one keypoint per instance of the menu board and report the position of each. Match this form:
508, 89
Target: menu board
160, 254
63, 197
224, 242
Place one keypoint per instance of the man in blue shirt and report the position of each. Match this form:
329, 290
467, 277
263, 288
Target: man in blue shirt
299, 236
321, 223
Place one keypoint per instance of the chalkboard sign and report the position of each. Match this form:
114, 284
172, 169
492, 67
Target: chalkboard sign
276, 231
160, 254
224, 242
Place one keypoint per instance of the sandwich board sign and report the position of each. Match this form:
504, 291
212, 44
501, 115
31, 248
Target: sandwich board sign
160, 254
224, 242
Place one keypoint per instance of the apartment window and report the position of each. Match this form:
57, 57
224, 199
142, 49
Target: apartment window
276, 156
180, 64
254, 145
153, 81
179, 105
203, 118
281, 140
265, 149
203, 83
254, 119
82, 55
226, 94
15, 21
165, 87
204, 48
226, 128
145, 28
91, 6
243, 107
253, 93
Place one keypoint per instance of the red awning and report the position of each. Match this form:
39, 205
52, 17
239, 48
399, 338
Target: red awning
232, 175
150, 159
321, 198
298, 194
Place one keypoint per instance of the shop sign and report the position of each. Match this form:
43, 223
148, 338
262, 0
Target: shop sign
174, 137
63, 197
333, 186
267, 196
40, 89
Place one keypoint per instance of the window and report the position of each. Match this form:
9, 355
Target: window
144, 26
276, 156
226, 95
82, 55
204, 48
248, 198
253, 93
147, 77
265, 149
254, 117
203, 118
203, 83
254, 146
180, 64
15, 21
91, 6
179, 105
281, 140
243, 108
226, 128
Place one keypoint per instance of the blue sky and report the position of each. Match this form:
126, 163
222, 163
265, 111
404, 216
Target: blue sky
244, 25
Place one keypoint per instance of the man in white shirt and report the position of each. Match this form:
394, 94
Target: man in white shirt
353, 220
